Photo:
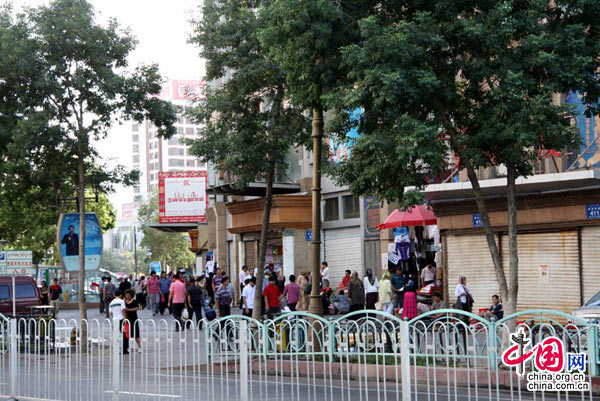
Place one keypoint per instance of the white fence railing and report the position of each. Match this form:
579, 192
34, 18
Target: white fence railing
445, 355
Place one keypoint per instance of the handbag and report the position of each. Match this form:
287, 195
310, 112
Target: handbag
126, 330
162, 298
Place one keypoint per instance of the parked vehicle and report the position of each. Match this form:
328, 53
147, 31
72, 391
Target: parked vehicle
26, 291
590, 311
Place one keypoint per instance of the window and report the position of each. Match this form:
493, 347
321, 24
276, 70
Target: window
4, 292
332, 209
179, 131
135, 127
351, 206
25, 291
174, 141
176, 163
136, 159
152, 177
189, 132
136, 138
136, 148
190, 163
175, 152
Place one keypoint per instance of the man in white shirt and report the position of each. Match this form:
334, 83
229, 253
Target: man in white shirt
248, 296
324, 271
117, 313
242, 280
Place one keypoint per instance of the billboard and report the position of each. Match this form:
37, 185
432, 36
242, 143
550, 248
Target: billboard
589, 151
68, 241
126, 238
183, 90
16, 263
129, 211
182, 197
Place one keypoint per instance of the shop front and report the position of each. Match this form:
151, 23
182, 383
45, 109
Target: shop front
559, 231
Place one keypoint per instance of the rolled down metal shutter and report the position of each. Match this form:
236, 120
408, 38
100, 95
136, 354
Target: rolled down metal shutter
250, 252
590, 251
469, 256
556, 250
343, 252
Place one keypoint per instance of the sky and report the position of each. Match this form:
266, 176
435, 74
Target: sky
161, 28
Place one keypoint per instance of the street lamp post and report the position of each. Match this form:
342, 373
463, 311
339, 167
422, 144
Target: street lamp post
316, 305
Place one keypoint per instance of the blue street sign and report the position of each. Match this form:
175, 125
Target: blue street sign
477, 220
592, 211
308, 235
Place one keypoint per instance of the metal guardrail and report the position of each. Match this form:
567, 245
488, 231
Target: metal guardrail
364, 355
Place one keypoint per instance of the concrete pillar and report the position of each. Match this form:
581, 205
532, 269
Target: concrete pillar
288, 242
221, 236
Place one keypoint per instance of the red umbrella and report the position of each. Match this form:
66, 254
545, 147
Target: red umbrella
415, 216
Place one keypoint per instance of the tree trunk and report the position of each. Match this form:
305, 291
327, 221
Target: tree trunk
316, 305
264, 230
510, 303
489, 232
81, 293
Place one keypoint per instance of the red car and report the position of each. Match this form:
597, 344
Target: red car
27, 294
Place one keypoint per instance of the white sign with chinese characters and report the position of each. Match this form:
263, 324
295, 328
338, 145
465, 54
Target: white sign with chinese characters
16, 263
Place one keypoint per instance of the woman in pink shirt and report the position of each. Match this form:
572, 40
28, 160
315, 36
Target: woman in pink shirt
153, 293
177, 300
292, 290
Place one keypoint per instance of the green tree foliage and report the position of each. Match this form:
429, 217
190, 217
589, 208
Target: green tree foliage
70, 86
171, 249
248, 127
472, 79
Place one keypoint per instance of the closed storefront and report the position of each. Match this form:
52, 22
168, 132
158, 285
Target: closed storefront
469, 256
250, 254
547, 261
373, 256
590, 251
343, 251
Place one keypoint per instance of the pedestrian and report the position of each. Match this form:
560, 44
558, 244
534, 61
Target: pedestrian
398, 281
409, 308
140, 292
280, 280
223, 298
324, 271
124, 285
427, 275
345, 281
153, 290
385, 294
195, 301
109, 294
242, 280
495, 311
371, 284
303, 284
116, 309
248, 296
164, 285
132, 281
131, 308
341, 302
45, 294
55, 291
292, 290
229, 287
464, 298
101, 289
177, 300
356, 293
271, 294
216, 283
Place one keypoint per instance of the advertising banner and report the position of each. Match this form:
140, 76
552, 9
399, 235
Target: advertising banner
68, 241
16, 263
182, 197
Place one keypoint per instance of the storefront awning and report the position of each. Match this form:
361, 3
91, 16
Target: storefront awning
536, 184
253, 189
287, 211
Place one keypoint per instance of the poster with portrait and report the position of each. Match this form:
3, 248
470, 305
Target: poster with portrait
68, 237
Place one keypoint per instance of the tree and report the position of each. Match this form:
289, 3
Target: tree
247, 126
472, 79
79, 80
305, 39
171, 249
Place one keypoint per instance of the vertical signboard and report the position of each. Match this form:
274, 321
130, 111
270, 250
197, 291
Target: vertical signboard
371, 217
68, 241
182, 197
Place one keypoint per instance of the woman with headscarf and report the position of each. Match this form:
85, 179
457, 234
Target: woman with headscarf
409, 311
356, 293
371, 285
463, 295
385, 294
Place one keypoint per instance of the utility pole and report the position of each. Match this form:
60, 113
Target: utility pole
316, 305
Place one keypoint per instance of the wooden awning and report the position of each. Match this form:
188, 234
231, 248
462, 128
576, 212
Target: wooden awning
288, 211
